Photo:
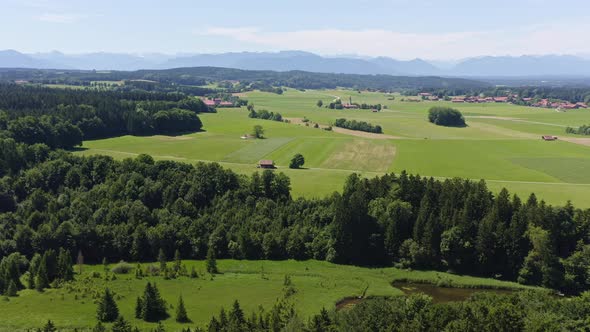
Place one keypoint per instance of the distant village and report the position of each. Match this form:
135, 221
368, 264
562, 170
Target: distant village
545, 103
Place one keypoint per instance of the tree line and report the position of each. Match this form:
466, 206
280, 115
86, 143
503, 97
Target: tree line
581, 130
358, 125
250, 79
265, 115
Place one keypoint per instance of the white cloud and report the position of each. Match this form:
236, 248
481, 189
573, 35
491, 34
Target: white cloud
556, 38
60, 18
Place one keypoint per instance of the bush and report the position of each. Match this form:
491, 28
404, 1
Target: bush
446, 116
122, 268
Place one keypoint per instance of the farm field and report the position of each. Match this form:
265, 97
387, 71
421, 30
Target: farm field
501, 144
318, 285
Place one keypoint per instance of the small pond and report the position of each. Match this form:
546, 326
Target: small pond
444, 294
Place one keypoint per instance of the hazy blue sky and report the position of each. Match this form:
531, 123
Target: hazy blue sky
404, 29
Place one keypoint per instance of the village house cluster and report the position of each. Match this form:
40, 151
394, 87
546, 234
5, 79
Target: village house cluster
561, 105
545, 103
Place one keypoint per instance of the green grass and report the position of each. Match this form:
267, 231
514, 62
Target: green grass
501, 144
253, 283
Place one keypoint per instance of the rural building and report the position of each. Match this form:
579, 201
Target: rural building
501, 99
266, 164
217, 102
425, 94
549, 137
350, 106
458, 100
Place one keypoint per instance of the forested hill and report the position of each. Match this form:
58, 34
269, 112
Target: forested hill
293, 79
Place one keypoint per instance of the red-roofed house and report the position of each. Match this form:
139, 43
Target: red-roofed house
582, 105
458, 100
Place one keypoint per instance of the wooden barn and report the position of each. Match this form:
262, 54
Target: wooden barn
266, 164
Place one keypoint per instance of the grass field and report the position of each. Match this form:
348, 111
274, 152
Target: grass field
501, 144
253, 283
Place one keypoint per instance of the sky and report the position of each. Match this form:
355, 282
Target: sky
401, 29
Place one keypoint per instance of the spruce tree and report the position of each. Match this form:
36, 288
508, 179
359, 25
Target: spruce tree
181, 315
30, 280
153, 307
139, 308
65, 270
177, 261
12, 289
194, 273
107, 310
49, 327
41, 279
211, 261
105, 265
121, 325
236, 316
162, 260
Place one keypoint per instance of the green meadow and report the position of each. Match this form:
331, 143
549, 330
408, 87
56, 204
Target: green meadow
501, 144
318, 285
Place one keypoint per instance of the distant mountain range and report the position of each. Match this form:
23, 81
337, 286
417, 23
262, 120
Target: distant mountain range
488, 66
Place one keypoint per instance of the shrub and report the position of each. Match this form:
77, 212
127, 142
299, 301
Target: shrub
122, 268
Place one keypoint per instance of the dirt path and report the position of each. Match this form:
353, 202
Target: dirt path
575, 140
513, 119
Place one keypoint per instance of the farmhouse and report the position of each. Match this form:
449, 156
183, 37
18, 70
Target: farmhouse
217, 102
425, 94
350, 106
549, 137
266, 164
458, 100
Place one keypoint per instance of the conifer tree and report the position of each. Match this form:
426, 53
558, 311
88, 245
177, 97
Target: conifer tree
181, 315
65, 270
211, 261
153, 307
138, 308
177, 260
31, 280
12, 289
107, 310
194, 273
162, 260
49, 327
121, 325
41, 279
236, 316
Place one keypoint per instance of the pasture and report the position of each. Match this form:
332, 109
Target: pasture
501, 144
318, 284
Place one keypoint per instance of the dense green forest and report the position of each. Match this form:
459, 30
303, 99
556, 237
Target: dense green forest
131, 209
63, 118
264, 80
